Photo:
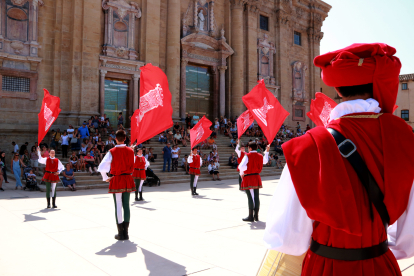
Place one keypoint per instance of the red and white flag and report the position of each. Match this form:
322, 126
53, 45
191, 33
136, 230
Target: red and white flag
48, 114
266, 110
320, 109
155, 111
243, 122
200, 131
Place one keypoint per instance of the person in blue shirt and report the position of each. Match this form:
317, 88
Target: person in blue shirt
83, 131
166, 151
196, 118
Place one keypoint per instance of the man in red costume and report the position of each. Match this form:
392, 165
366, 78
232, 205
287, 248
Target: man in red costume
241, 151
119, 161
139, 175
195, 161
343, 185
250, 168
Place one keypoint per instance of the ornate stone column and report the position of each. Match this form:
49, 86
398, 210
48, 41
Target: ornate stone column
237, 65
222, 70
102, 92
173, 53
183, 94
135, 98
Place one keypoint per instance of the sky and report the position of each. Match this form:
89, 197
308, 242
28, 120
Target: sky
368, 21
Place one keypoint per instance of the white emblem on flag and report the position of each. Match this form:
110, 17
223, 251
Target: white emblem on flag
48, 114
325, 114
150, 101
261, 112
245, 119
200, 132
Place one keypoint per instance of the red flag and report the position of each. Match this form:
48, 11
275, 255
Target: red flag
266, 110
200, 131
155, 111
320, 109
48, 114
243, 122
395, 108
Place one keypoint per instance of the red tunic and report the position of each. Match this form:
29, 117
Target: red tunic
139, 168
195, 166
333, 196
51, 167
242, 154
254, 166
122, 167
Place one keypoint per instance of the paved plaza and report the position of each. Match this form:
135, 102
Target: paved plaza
171, 233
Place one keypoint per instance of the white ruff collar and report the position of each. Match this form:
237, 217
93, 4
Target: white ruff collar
355, 106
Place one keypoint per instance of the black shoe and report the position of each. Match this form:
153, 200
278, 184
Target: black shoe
250, 217
136, 195
140, 196
192, 189
1, 189
256, 214
195, 190
120, 236
48, 202
54, 202
126, 226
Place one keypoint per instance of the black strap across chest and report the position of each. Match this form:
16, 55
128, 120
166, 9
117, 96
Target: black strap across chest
349, 151
251, 174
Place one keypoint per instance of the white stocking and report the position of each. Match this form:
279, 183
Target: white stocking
118, 206
140, 185
195, 180
252, 193
53, 188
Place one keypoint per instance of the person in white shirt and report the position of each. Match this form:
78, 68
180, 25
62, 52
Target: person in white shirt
175, 154
64, 139
15, 147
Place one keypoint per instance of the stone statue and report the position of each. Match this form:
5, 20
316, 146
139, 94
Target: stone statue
201, 20
298, 79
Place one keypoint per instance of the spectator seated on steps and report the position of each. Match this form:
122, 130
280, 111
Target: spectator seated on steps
177, 138
211, 142
233, 161
205, 161
233, 143
162, 138
214, 170
68, 178
90, 164
83, 131
184, 164
213, 133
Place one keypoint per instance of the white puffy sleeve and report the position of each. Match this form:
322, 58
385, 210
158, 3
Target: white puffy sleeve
401, 233
190, 159
60, 167
266, 158
288, 227
201, 161
105, 166
41, 160
243, 164
238, 150
147, 164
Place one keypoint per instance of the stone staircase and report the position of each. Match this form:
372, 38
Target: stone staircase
85, 181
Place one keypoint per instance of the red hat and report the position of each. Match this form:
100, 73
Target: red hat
362, 64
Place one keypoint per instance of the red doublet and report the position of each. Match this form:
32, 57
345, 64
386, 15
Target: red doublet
333, 196
139, 168
122, 167
254, 166
51, 167
195, 166
242, 154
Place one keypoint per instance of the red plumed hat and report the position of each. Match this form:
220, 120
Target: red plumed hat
362, 64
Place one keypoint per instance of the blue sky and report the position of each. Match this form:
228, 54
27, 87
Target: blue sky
367, 21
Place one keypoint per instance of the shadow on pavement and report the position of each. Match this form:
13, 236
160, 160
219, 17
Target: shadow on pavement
120, 249
259, 225
204, 197
30, 217
158, 265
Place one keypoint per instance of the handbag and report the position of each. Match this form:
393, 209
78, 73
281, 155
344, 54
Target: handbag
74, 140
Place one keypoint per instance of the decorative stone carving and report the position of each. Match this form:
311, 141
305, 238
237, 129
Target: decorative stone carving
298, 82
222, 34
286, 5
18, 2
17, 46
199, 18
299, 12
266, 50
120, 28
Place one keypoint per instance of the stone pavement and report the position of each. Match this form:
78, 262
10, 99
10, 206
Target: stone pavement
171, 233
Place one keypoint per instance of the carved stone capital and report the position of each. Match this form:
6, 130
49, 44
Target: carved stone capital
222, 69
184, 62
135, 77
103, 72
237, 4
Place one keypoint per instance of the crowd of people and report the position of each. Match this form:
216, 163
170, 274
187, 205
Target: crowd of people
85, 147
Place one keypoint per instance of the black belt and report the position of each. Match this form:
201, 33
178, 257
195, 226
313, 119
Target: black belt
139, 169
50, 172
194, 168
250, 174
346, 254
122, 174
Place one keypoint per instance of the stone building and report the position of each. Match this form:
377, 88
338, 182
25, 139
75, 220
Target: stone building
88, 52
405, 99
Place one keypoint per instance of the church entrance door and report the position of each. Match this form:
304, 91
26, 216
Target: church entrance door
116, 100
199, 94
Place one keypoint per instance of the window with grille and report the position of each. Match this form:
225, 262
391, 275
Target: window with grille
404, 86
264, 22
298, 38
405, 115
15, 84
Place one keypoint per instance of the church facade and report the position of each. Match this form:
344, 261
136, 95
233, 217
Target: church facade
89, 53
